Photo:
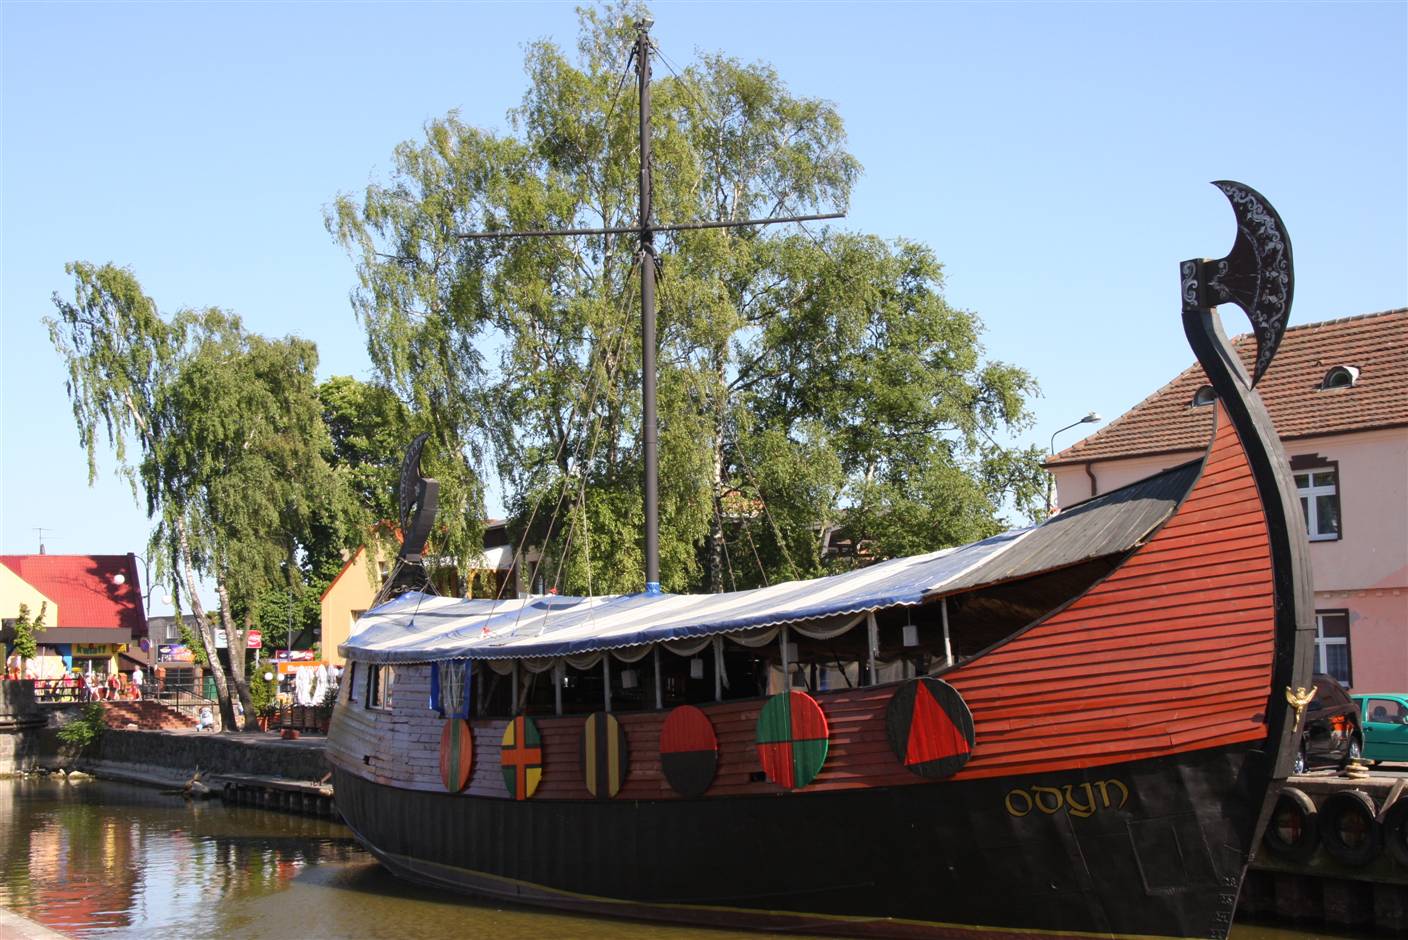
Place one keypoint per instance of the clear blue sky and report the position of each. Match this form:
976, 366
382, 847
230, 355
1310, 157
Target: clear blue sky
1055, 156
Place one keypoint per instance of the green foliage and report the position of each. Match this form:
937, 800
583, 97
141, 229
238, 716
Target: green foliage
263, 694
810, 378
84, 730
25, 642
192, 641
276, 608
231, 448
229, 423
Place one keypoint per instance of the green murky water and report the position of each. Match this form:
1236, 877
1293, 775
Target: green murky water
106, 860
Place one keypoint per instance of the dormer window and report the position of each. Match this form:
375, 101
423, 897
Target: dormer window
1204, 396
1341, 377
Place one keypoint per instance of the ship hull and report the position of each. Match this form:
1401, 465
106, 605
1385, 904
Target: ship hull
1146, 848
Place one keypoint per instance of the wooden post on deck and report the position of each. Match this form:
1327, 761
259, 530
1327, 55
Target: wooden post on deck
872, 643
606, 674
948, 648
659, 682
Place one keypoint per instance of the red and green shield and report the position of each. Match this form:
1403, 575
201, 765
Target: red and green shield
930, 728
689, 751
604, 756
456, 754
521, 757
792, 739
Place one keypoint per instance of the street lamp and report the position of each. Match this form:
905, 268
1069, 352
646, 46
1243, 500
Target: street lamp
1090, 418
145, 645
120, 579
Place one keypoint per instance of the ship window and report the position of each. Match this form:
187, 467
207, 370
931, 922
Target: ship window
821, 657
1204, 396
1332, 644
351, 678
1341, 377
1320, 502
451, 680
495, 690
379, 682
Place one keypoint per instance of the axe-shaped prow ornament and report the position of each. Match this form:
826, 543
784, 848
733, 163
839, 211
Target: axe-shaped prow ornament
1257, 274
418, 497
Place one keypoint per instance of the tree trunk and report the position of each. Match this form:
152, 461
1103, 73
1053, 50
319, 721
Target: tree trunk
207, 634
236, 638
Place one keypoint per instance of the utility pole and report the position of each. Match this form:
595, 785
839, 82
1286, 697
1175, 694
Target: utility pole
645, 229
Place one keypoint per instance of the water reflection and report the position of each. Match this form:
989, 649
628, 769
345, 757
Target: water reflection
106, 860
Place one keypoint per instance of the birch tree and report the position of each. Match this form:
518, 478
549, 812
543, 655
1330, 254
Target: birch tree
806, 378
218, 429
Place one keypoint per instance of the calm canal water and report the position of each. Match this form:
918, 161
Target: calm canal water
107, 860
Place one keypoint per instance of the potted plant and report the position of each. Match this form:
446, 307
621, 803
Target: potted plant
263, 694
323, 710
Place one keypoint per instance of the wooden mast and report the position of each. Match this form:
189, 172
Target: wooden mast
645, 230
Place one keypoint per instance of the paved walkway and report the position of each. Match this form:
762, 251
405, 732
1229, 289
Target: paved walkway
15, 927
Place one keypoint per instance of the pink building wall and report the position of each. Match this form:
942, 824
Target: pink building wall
1364, 572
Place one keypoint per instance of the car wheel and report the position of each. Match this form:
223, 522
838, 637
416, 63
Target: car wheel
1302, 763
1354, 751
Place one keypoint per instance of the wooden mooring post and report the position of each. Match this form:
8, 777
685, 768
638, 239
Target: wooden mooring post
306, 798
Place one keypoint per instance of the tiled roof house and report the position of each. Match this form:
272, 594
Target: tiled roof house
94, 606
1337, 393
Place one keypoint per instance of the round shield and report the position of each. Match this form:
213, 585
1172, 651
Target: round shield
456, 754
604, 756
521, 757
930, 727
689, 751
792, 739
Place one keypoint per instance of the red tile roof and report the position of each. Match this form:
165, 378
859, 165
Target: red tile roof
84, 588
1375, 343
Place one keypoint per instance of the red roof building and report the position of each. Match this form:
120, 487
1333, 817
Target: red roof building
1337, 393
96, 603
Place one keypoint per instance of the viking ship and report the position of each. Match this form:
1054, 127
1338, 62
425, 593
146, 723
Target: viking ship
1074, 729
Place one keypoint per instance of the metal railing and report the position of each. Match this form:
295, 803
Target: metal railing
65, 691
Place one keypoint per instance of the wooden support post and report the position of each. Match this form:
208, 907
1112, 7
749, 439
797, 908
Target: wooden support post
718, 669
513, 688
559, 670
659, 681
606, 675
872, 643
786, 663
948, 648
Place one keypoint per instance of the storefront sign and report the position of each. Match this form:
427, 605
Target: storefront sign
295, 656
94, 649
222, 640
254, 640
175, 653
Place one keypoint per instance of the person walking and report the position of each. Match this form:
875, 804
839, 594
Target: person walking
137, 678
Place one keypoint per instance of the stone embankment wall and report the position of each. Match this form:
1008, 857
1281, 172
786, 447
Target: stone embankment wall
20, 721
257, 755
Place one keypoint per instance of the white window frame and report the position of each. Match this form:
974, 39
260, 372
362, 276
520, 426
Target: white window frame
1308, 490
380, 680
1323, 643
452, 687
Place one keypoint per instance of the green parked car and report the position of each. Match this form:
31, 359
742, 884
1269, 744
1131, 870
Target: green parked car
1385, 717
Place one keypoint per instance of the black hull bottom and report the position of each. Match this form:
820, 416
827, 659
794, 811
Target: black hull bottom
1141, 849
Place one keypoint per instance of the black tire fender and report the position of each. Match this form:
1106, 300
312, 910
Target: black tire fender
1395, 830
1357, 808
1296, 835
